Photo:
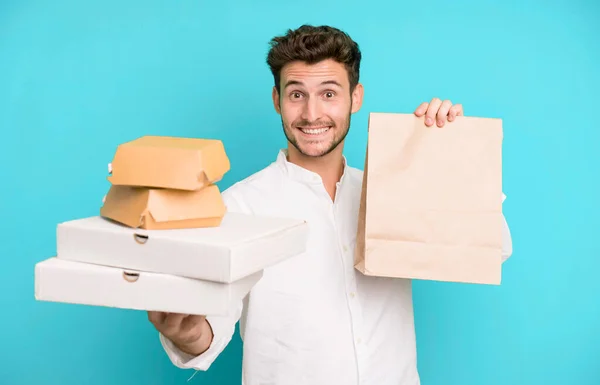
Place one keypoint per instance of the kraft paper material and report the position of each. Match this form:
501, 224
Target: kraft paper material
431, 205
168, 162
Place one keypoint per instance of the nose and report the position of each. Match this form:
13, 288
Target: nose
312, 110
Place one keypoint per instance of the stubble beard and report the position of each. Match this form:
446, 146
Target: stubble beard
288, 130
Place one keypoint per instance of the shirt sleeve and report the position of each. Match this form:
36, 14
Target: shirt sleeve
506, 237
223, 327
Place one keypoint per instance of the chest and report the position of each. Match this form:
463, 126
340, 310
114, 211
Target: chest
332, 234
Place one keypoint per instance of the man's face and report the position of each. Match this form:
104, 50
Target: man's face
315, 104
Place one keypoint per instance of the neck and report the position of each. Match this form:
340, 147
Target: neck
329, 167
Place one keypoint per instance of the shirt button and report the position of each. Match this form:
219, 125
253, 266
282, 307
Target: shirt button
352, 295
359, 341
345, 249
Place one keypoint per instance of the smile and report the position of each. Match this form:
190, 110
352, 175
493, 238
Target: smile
314, 131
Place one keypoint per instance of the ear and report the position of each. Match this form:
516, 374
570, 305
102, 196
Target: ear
275, 96
357, 97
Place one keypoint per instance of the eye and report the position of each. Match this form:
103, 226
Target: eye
296, 95
329, 94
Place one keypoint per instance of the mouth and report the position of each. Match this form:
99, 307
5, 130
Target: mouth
314, 131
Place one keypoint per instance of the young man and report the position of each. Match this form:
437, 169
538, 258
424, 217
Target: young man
313, 319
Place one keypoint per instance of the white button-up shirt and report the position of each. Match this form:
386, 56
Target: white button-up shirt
314, 319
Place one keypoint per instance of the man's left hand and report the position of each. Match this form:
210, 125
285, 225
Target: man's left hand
439, 112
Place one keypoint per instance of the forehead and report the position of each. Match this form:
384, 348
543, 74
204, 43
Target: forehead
314, 74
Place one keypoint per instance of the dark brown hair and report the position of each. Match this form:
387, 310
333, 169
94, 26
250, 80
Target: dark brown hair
311, 45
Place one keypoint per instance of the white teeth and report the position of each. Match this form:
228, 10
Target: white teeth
314, 131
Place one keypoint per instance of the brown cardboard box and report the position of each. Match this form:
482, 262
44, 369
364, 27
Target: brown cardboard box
161, 209
169, 162
431, 205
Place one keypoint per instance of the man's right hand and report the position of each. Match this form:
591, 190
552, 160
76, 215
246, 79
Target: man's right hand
192, 334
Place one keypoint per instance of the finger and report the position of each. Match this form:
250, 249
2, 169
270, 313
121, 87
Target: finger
442, 114
192, 321
434, 106
459, 109
453, 113
421, 109
156, 317
192, 328
173, 321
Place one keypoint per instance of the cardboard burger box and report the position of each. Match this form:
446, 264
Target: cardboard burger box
161, 182
161, 209
169, 162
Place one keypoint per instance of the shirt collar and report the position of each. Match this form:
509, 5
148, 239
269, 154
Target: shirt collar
301, 174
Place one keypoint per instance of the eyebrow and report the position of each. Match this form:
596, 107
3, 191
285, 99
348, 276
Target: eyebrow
299, 83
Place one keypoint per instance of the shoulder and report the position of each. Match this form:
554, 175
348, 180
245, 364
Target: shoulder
354, 175
260, 183
264, 178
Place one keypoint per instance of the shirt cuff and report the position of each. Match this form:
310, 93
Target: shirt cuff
223, 329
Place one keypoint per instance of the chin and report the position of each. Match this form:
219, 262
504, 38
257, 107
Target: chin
315, 151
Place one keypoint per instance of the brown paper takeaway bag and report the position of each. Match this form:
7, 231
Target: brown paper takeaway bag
431, 205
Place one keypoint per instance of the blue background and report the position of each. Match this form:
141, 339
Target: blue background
78, 78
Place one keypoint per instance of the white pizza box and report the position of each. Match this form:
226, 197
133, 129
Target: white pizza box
243, 244
59, 280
